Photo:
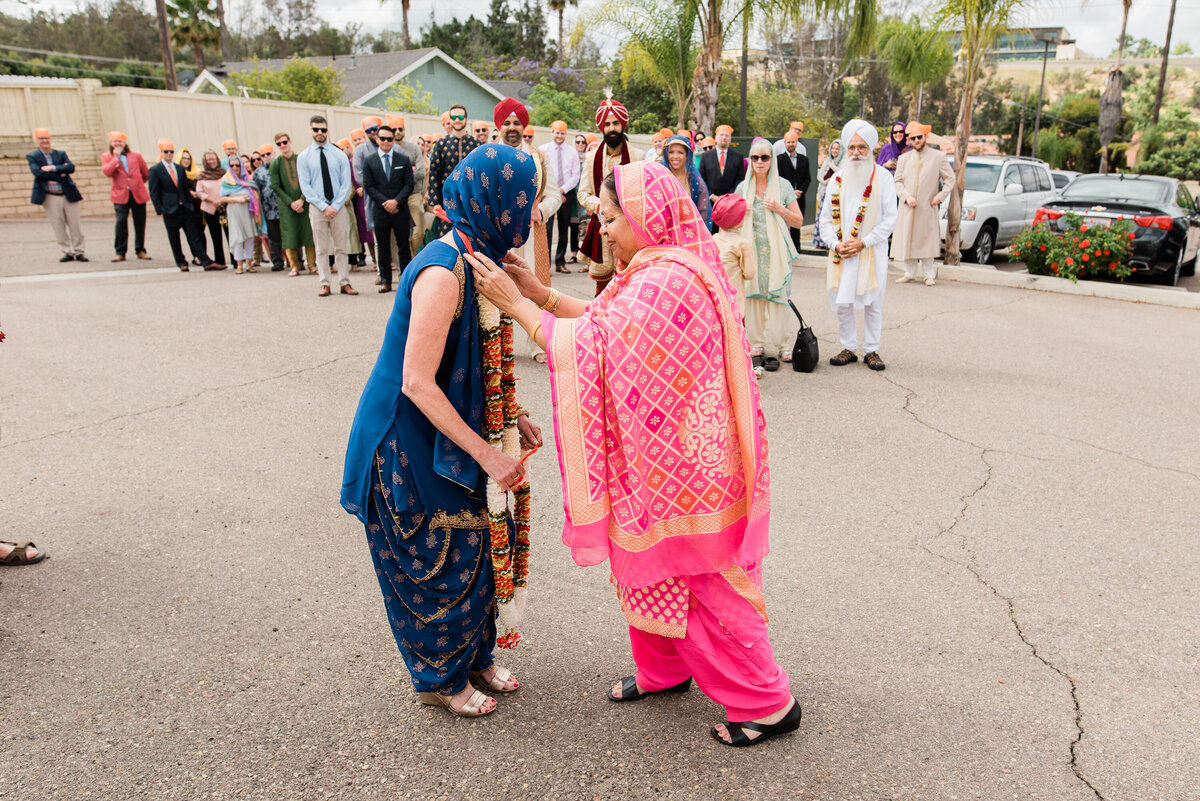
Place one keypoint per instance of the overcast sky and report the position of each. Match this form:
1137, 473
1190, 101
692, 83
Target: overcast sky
1093, 24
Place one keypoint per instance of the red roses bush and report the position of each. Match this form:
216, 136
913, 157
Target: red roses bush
1079, 251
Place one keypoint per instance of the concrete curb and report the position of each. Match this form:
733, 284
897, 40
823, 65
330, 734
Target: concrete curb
978, 274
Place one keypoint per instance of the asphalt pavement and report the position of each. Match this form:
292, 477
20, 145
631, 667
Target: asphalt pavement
982, 580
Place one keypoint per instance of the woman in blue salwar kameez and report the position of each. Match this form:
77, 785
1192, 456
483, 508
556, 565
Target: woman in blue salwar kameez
416, 464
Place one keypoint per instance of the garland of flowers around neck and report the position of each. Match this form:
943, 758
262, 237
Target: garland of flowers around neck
835, 210
510, 565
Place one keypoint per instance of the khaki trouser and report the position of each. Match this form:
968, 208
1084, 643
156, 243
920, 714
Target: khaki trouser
331, 235
416, 210
64, 216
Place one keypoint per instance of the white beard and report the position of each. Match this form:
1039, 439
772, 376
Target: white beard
856, 174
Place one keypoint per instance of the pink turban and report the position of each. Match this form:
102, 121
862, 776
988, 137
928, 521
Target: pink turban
614, 108
507, 107
729, 211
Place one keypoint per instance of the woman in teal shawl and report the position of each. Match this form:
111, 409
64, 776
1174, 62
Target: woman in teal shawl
417, 465
244, 212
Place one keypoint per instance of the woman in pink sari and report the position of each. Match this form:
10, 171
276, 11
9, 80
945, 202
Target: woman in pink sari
663, 451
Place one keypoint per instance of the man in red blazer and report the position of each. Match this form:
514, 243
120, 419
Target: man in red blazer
128, 172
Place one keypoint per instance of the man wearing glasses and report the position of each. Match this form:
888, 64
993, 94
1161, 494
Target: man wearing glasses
295, 231
917, 240
326, 180
388, 181
171, 194
481, 131
270, 204
446, 153
369, 146
564, 163
416, 200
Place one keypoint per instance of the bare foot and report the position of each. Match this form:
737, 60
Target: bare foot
750, 733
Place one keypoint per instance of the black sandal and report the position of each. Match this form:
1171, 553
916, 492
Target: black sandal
770, 364
756, 360
738, 738
630, 691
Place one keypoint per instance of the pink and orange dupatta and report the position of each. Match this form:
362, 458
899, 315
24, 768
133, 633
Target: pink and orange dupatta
661, 437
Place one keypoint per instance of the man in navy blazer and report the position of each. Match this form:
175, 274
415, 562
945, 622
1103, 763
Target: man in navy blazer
55, 191
388, 179
722, 168
171, 194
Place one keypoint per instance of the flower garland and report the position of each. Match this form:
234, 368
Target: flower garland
510, 564
835, 209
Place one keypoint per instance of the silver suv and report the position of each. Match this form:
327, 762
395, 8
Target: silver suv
1002, 193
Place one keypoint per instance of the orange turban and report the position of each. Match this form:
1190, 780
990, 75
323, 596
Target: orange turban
266, 149
725, 129
558, 125
114, 136
395, 121
370, 122
591, 138
799, 126
529, 130
445, 117
665, 133
358, 133
38, 133
708, 141
165, 144
918, 129
228, 143
343, 143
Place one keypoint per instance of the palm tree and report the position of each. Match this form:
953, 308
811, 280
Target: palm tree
193, 25
1162, 73
981, 23
717, 17
1110, 100
659, 47
405, 5
164, 41
224, 31
560, 6
916, 56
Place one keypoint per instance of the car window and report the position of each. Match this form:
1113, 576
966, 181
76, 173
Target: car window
1061, 180
1184, 198
1117, 188
1012, 176
1029, 180
981, 177
1043, 180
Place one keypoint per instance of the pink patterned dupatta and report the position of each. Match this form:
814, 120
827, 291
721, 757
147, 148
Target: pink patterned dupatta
661, 437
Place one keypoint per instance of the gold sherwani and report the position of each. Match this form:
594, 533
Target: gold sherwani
589, 198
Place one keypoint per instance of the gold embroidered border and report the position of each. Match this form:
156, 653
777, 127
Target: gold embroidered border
742, 584
708, 523
460, 272
652, 626
464, 520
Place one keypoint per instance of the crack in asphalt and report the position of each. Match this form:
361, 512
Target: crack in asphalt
970, 566
187, 400
1124, 455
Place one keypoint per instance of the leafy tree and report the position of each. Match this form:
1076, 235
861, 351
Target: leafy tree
550, 104
298, 81
412, 99
1180, 161
193, 24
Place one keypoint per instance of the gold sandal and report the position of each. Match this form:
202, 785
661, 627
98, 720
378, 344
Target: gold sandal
472, 709
499, 682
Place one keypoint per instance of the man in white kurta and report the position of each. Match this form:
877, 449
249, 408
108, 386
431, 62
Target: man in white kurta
858, 262
924, 179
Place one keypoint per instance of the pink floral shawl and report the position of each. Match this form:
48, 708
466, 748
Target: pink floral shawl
661, 437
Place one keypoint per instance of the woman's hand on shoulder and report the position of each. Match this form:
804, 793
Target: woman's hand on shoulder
493, 282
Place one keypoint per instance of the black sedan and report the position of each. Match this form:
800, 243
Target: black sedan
1165, 217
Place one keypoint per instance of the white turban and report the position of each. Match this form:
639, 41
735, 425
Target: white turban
864, 129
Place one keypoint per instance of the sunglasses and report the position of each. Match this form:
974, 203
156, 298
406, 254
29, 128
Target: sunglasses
760, 158
166, 151
398, 130
320, 130
282, 142
372, 129
387, 139
481, 129
898, 131
917, 137
458, 116
527, 138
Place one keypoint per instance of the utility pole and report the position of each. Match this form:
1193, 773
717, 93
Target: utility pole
1037, 125
745, 67
164, 38
1162, 74
1021, 127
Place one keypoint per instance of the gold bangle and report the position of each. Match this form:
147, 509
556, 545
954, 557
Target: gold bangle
533, 334
551, 301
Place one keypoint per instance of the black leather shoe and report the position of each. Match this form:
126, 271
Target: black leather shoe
66, 257
845, 357
873, 361
80, 257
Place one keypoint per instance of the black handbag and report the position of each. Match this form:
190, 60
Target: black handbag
805, 353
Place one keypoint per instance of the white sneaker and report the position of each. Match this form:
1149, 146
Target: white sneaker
929, 282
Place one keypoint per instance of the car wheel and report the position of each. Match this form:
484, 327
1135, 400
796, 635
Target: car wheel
985, 246
1172, 278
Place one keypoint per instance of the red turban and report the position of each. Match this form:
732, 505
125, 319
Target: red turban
729, 211
611, 106
507, 107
